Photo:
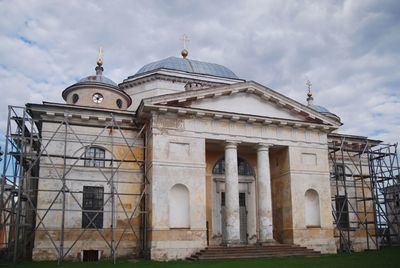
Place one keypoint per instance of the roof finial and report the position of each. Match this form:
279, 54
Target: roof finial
184, 51
309, 93
99, 68
100, 60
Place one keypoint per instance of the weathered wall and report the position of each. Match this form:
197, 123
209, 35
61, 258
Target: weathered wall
176, 160
282, 196
309, 169
359, 196
128, 181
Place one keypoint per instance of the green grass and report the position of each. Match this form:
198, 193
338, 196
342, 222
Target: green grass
387, 257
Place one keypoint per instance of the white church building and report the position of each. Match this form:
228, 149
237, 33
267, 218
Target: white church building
180, 156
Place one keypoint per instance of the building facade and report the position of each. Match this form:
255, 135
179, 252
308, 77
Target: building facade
181, 156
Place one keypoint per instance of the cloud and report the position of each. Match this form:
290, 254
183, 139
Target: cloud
348, 49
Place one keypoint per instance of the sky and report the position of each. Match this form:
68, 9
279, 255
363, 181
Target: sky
350, 50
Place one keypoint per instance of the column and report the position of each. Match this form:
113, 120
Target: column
264, 194
232, 194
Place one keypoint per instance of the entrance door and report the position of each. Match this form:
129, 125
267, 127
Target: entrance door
242, 217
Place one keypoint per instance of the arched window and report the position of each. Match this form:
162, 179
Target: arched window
312, 213
94, 157
244, 168
179, 207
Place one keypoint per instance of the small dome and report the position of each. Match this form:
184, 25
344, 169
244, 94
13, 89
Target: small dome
324, 111
187, 65
318, 108
98, 79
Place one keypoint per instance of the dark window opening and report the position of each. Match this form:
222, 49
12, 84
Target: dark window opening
90, 255
119, 103
397, 200
342, 212
93, 202
242, 199
244, 168
75, 98
94, 157
340, 172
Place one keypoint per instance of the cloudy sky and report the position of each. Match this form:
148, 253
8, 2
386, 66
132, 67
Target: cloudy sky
350, 50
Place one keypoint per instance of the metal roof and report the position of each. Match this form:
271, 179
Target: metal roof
98, 79
318, 108
189, 66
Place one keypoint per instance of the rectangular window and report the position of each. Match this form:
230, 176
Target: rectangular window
94, 157
397, 200
342, 212
93, 202
340, 172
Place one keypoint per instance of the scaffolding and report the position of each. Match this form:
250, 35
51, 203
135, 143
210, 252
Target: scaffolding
28, 148
362, 171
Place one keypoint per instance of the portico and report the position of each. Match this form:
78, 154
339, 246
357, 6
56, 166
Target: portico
264, 211
245, 172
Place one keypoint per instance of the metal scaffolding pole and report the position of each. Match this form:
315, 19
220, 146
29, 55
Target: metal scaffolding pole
369, 171
23, 218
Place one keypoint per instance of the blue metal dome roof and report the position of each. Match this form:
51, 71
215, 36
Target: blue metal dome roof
189, 66
318, 108
98, 79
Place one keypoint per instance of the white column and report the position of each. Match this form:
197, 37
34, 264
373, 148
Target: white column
232, 194
264, 194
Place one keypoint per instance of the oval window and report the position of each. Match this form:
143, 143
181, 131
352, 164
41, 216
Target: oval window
75, 98
119, 103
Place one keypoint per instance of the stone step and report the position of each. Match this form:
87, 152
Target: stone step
252, 252
253, 256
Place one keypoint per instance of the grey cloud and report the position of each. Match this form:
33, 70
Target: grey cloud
349, 49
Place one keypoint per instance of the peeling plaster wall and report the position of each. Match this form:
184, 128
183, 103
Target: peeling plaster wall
128, 180
356, 191
281, 198
176, 160
309, 169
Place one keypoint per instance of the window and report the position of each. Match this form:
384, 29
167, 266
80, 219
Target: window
340, 172
244, 168
93, 202
75, 98
312, 210
94, 157
119, 103
342, 212
397, 200
90, 255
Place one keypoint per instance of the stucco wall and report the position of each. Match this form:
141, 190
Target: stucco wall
128, 182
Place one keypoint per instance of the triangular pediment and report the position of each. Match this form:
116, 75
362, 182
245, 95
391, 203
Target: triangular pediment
249, 104
241, 99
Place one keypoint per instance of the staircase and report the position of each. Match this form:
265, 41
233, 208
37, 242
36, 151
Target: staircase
252, 252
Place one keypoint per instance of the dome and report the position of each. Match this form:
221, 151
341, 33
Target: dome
98, 79
324, 111
189, 66
318, 108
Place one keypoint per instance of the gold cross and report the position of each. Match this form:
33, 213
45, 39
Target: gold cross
185, 40
308, 83
100, 53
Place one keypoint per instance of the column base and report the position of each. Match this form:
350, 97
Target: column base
267, 242
232, 243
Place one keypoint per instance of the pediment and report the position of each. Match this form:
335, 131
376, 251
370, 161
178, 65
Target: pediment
247, 98
249, 104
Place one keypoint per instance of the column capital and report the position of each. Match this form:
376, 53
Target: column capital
264, 146
230, 144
